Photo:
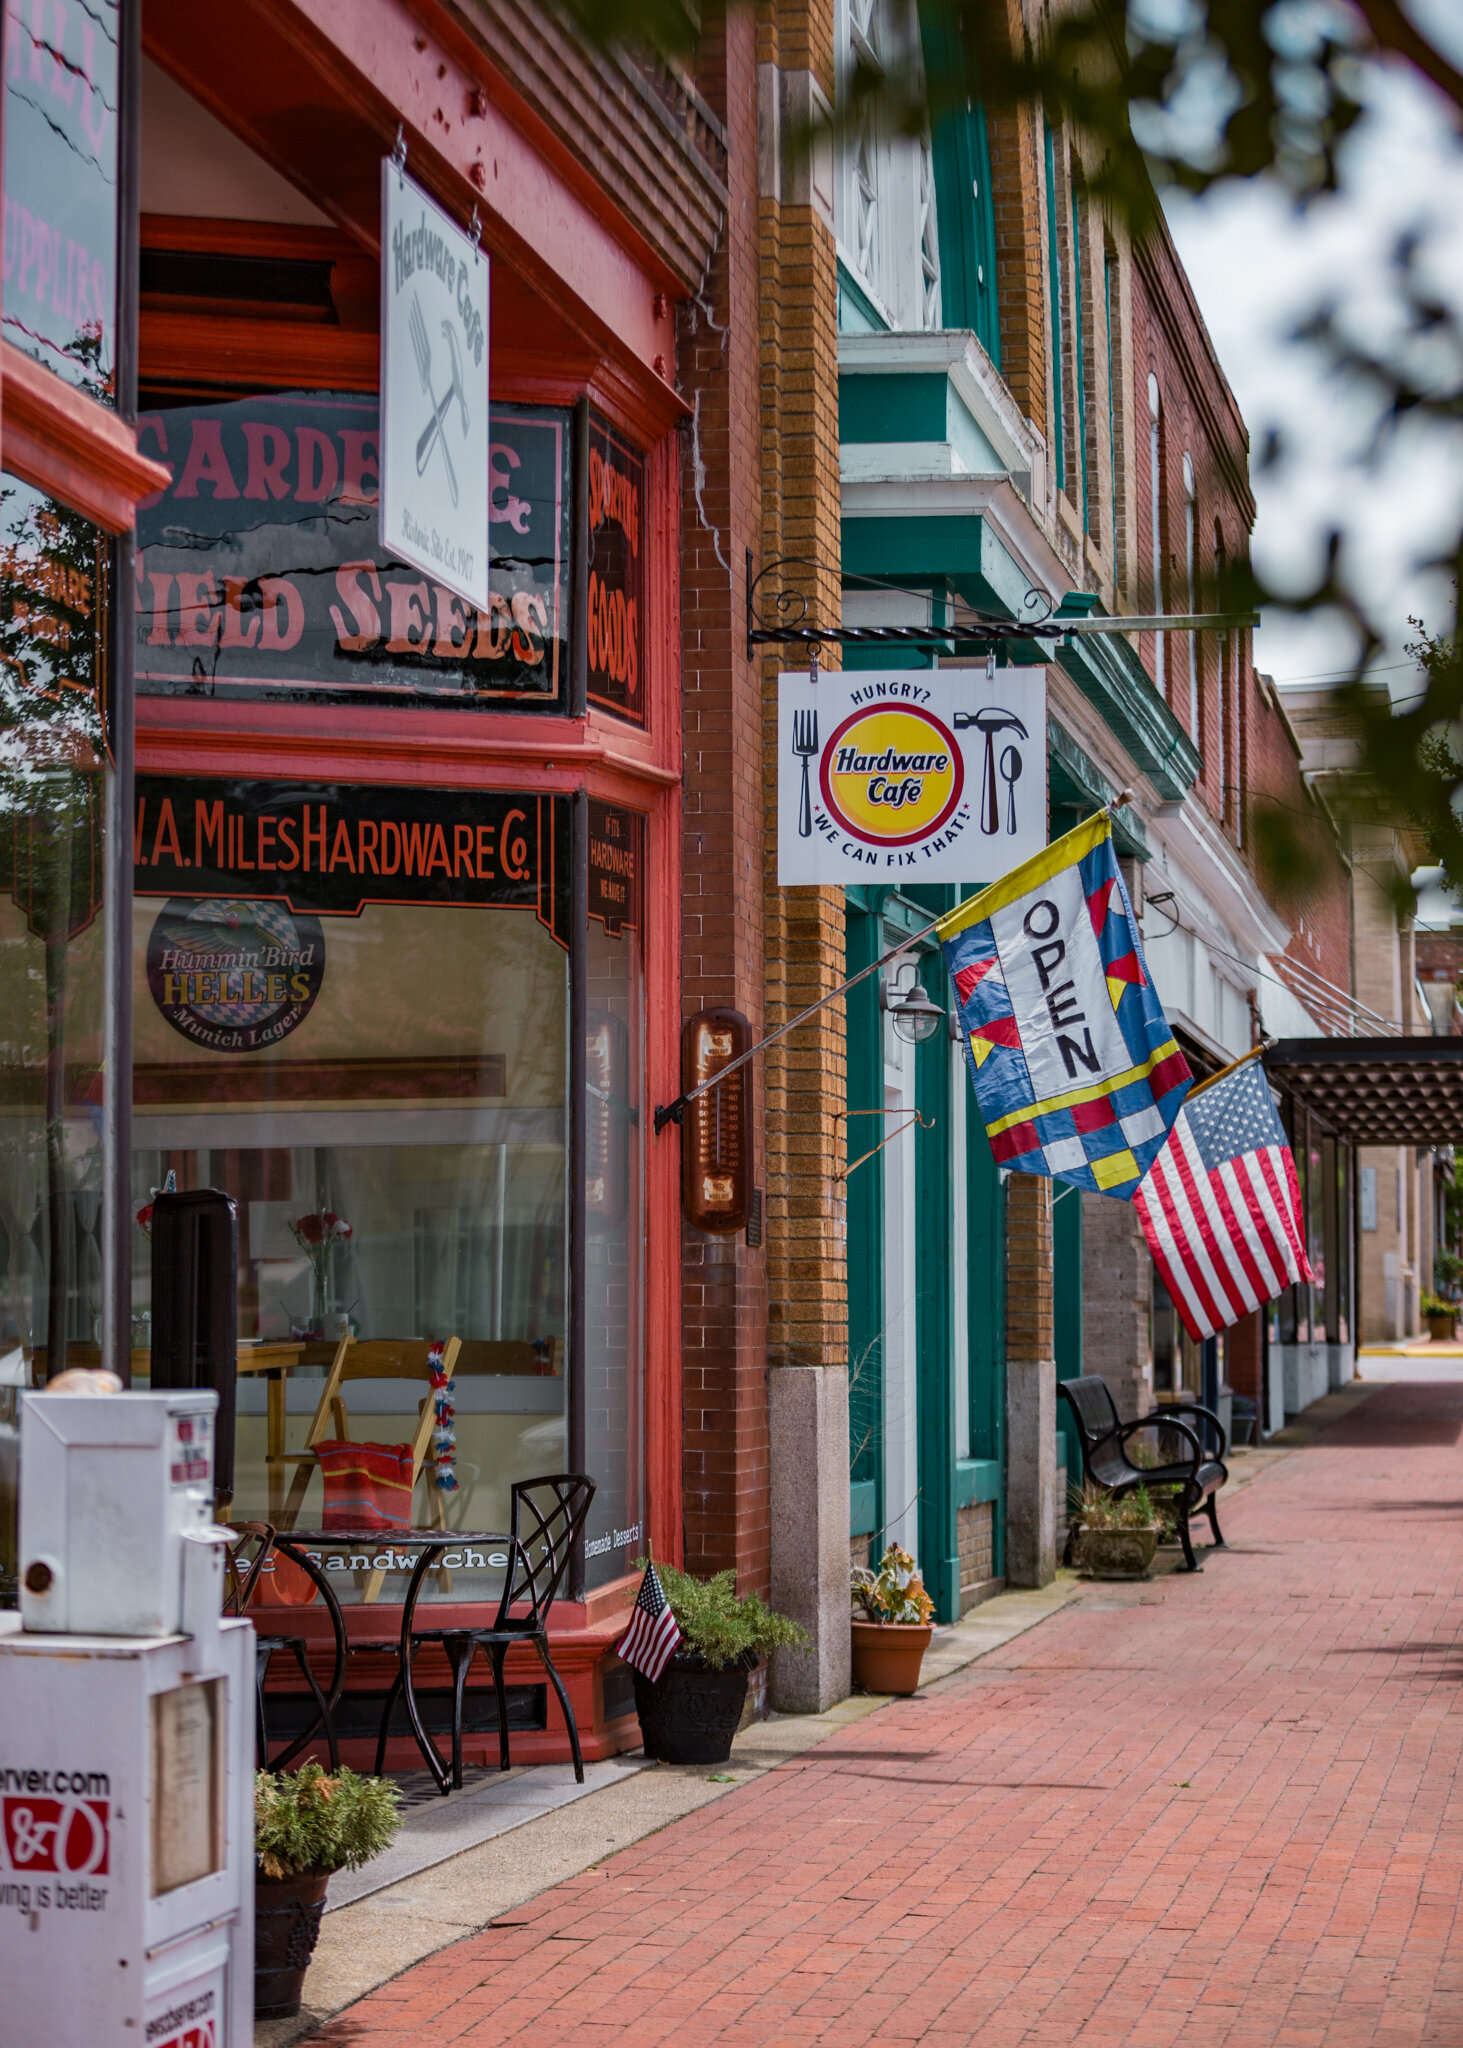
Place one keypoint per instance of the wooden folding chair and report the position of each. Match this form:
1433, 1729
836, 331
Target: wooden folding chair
388, 1358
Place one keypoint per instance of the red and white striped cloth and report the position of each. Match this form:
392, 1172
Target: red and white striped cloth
649, 1643
1220, 1206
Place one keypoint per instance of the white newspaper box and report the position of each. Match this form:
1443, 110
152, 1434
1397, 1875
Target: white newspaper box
126, 1759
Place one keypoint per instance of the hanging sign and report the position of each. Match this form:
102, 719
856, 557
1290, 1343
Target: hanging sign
909, 775
434, 390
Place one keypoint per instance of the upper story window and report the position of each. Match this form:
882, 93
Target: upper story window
59, 301
1190, 578
1155, 472
886, 206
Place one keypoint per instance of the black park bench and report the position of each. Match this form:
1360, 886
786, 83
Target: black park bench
1196, 1476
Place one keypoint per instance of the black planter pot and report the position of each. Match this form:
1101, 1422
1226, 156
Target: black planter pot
287, 1914
690, 1714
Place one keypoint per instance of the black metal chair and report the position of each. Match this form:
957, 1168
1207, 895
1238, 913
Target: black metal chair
548, 1516
1196, 1478
242, 1587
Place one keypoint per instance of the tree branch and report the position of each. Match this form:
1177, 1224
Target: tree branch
1392, 31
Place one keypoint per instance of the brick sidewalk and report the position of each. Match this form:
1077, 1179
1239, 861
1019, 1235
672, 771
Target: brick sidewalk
1217, 1810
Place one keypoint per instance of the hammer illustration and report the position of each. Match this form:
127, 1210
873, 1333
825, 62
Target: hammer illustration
990, 721
433, 429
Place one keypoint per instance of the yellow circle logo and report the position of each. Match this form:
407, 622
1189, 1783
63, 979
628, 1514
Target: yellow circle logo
891, 775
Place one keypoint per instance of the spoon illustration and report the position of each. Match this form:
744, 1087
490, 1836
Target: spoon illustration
1011, 771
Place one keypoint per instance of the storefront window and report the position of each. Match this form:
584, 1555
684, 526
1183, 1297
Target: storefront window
53, 567
260, 573
614, 1189
59, 302
353, 1004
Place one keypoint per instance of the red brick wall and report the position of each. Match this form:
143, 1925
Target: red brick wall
724, 1294
1311, 888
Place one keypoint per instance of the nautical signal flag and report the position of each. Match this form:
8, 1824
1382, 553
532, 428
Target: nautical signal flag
1075, 1067
1220, 1206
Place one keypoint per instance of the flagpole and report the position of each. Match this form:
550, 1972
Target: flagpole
1244, 1059
672, 1112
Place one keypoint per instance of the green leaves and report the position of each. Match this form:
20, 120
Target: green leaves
719, 1627
314, 1820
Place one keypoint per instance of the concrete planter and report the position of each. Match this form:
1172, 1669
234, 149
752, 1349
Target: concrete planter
1116, 1553
1442, 1329
887, 1654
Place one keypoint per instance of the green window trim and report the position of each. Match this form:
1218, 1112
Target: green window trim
1079, 367
978, 1480
1109, 269
965, 212
1054, 289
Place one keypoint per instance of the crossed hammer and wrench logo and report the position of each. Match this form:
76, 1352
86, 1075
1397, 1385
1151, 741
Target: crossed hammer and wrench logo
434, 433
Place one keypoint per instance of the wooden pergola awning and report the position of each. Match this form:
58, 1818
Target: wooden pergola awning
1376, 1091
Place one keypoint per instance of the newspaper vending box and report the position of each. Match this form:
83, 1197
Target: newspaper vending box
126, 1738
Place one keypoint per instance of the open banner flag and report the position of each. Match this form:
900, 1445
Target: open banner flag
1075, 1067
1220, 1206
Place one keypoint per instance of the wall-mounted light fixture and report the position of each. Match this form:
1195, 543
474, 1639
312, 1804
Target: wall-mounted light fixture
914, 1015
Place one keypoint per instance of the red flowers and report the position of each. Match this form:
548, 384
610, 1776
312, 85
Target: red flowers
320, 1227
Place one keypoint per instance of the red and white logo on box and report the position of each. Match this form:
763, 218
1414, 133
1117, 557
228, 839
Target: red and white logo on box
69, 1836
201, 2036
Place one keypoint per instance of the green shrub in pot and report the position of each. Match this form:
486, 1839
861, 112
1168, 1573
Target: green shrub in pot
307, 1823
693, 1710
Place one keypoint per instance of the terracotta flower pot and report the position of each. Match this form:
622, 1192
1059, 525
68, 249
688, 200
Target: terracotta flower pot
1116, 1553
287, 1914
887, 1654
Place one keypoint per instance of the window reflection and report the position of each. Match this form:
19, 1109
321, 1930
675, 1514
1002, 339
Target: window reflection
59, 302
52, 769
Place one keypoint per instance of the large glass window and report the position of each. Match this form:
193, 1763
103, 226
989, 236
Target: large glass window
59, 302
53, 568
352, 1015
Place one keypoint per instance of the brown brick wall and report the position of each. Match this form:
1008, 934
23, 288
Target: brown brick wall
724, 1292
807, 1293
975, 1532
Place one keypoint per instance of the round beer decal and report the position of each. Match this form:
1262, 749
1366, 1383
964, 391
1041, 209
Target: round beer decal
232, 975
891, 775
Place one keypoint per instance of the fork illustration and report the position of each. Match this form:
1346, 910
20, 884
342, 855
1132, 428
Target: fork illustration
805, 746
423, 351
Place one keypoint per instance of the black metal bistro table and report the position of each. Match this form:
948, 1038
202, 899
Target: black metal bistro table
431, 1545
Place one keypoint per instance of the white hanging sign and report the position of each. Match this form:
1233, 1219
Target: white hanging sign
909, 775
434, 390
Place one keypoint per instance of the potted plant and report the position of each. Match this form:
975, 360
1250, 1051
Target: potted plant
1440, 1316
891, 1623
692, 1711
307, 1823
1114, 1536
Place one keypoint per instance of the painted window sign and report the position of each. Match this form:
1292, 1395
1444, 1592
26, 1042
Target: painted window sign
259, 570
616, 606
59, 301
616, 860
328, 850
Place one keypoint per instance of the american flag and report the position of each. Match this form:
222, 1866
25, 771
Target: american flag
1220, 1205
649, 1643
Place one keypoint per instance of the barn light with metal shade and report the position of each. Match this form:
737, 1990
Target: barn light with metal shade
915, 1015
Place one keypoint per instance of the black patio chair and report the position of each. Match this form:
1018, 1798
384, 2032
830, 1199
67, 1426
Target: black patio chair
242, 1587
547, 1518
1195, 1473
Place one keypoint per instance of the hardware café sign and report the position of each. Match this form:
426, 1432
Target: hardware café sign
434, 391
909, 775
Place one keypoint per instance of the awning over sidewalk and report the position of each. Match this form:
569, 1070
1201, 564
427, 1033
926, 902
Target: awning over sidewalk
1376, 1091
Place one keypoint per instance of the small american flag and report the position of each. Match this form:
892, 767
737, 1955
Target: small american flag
1220, 1205
649, 1643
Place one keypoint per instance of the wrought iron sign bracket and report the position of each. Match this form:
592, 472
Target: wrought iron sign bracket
779, 618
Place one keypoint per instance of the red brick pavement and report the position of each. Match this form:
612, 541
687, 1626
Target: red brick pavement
1220, 1810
